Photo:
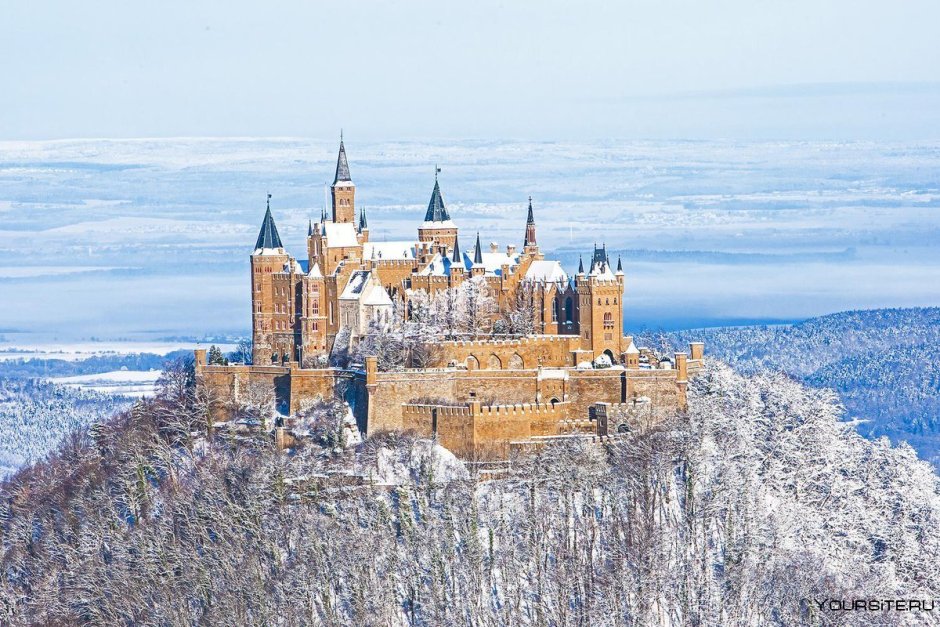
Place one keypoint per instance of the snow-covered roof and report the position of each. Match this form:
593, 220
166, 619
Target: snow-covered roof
632, 349
354, 287
268, 251
377, 296
315, 271
438, 266
292, 265
493, 262
340, 234
442, 224
601, 270
389, 250
543, 270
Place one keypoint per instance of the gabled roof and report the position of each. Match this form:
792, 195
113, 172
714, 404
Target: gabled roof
342, 166
340, 234
547, 271
437, 212
377, 296
268, 237
357, 281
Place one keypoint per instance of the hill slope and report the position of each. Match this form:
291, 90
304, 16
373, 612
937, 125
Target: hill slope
743, 512
885, 364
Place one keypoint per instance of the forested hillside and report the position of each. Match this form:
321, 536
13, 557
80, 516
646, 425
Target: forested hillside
36, 415
743, 512
885, 364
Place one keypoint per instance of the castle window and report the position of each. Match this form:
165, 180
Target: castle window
316, 308
598, 301
615, 300
608, 320
607, 302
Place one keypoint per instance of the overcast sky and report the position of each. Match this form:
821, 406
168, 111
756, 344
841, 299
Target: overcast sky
418, 69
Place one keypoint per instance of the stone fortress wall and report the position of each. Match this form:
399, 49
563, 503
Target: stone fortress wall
469, 410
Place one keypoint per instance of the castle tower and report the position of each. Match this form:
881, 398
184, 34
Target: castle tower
343, 190
529, 245
269, 312
600, 294
437, 228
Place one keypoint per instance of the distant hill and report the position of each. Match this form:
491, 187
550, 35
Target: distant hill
884, 363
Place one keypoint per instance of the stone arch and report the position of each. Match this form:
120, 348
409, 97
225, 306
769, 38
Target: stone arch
494, 362
516, 362
610, 354
554, 401
473, 363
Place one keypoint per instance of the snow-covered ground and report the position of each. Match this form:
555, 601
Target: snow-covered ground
131, 383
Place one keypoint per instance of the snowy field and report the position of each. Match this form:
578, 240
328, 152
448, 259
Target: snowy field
128, 383
149, 239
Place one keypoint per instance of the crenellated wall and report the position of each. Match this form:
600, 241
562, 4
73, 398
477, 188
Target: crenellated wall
510, 354
474, 427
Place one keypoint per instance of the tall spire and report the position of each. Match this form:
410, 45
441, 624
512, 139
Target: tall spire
437, 212
580, 265
619, 265
268, 237
455, 257
342, 166
478, 252
363, 224
530, 228
309, 228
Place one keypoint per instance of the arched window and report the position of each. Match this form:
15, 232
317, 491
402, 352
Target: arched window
608, 320
569, 307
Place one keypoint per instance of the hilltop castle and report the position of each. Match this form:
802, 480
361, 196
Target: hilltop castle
559, 362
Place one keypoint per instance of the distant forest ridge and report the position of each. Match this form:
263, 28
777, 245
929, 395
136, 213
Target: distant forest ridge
884, 363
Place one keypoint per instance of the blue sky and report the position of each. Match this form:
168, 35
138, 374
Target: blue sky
412, 70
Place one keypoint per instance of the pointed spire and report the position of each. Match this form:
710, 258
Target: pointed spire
437, 212
363, 224
619, 265
455, 257
322, 215
478, 252
580, 265
530, 228
342, 166
309, 228
268, 237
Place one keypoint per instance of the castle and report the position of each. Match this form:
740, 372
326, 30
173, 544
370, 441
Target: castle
518, 349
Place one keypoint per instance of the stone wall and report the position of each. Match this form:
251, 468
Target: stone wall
474, 428
511, 354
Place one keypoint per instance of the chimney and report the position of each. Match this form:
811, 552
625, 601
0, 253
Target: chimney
494, 247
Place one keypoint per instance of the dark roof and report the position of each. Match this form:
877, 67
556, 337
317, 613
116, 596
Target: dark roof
456, 256
478, 252
309, 228
342, 166
529, 227
580, 265
437, 212
600, 256
619, 264
363, 224
268, 237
